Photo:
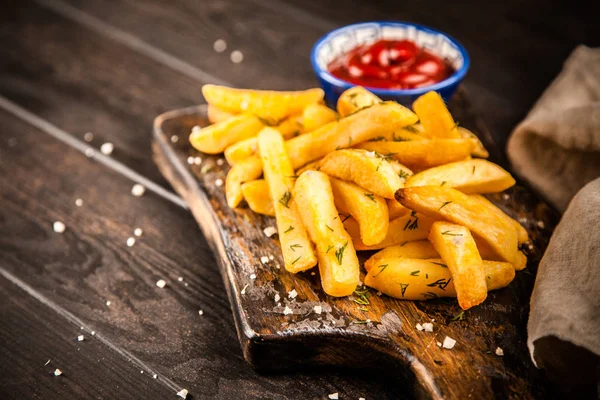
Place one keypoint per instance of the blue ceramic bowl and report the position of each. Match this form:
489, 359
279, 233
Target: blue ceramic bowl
344, 39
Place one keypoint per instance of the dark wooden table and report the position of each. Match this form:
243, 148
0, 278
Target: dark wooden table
68, 67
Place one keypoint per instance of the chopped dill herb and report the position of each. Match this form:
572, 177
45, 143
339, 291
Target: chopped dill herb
371, 196
403, 243
449, 233
440, 283
293, 176
440, 264
295, 246
443, 183
359, 321
411, 128
291, 228
412, 224
381, 269
403, 174
429, 295
285, 199
426, 276
296, 260
459, 317
473, 171
377, 139
339, 254
399, 138
346, 217
403, 287
365, 309
415, 273
362, 297
329, 248
328, 227
349, 141
444, 205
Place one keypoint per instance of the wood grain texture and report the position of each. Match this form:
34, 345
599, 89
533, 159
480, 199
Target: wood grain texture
385, 334
90, 263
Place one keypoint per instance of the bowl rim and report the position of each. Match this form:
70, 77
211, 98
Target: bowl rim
453, 79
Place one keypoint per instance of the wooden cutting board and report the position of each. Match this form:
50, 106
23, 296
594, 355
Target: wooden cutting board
381, 335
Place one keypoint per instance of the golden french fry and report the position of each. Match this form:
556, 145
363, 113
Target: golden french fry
354, 99
449, 204
317, 115
469, 176
256, 193
291, 127
434, 116
522, 235
365, 168
479, 150
396, 209
213, 139
408, 228
368, 209
298, 254
401, 170
215, 114
247, 170
415, 279
405, 134
356, 128
459, 252
423, 153
420, 249
241, 150
311, 166
270, 105
338, 264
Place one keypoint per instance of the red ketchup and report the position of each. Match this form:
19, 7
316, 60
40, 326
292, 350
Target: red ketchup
391, 64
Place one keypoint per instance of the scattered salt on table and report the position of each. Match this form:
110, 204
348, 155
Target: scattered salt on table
428, 327
448, 343
219, 182
264, 259
270, 231
499, 351
333, 396
78, 202
130, 241
80, 338
287, 311
58, 227
318, 309
138, 190
107, 148
161, 283
57, 372
293, 294
138, 232
183, 393
419, 327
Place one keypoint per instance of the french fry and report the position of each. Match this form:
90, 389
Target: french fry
434, 116
396, 209
256, 193
416, 279
269, 105
215, 114
479, 150
401, 170
246, 170
449, 204
459, 252
354, 99
317, 115
296, 247
368, 209
405, 134
356, 128
338, 264
311, 166
522, 235
365, 169
423, 153
213, 139
291, 127
420, 249
407, 228
469, 176
241, 150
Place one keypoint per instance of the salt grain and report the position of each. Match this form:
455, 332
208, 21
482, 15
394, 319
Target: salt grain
138, 190
161, 283
174, 139
270, 231
428, 327
318, 309
264, 259
182, 393
293, 294
271, 257
88, 137
180, 279
130, 241
252, 276
138, 232
89, 152
57, 372
78, 202
108, 303
200, 312
154, 376
219, 182
313, 273
287, 311
541, 224
448, 343
439, 344
236, 57
58, 227
220, 162
370, 154
92, 333
499, 351
80, 338
197, 160
277, 297
505, 196
220, 45
190, 160
196, 128
419, 327
107, 148
333, 396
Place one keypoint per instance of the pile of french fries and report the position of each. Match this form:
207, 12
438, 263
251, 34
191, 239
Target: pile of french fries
372, 176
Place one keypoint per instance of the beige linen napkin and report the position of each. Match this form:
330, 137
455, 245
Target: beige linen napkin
557, 147
557, 150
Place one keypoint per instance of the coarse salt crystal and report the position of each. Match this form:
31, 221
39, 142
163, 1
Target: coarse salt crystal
174, 139
80, 338
154, 376
370, 154
252, 276
58, 227
333, 396
196, 128
505, 196
200, 312
92, 333
287, 311
313, 273
138, 190
138, 232
197, 160
89, 152
448, 343
78, 202
108, 303
219, 182
293, 294
439, 344
130, 241
57, 372
277, 297
428, 327
541, 224
220, 45
264, 259
107, 148
161, 283
361, 398
236, 57
368, 320
88, 137
220, 162
142, 371
419, 327
499, 351
379, 293
183, 393
270, 231
318, 309
190, 160
271, 257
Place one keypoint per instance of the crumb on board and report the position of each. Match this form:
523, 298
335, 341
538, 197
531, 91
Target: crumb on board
183, 393
138, 190
243, 291
448, 343
58, 226
47, 362
107, 148
499, 351
270, 231
57, 372
292, 294
161, 283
